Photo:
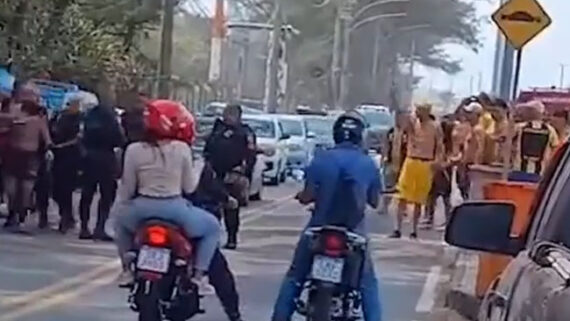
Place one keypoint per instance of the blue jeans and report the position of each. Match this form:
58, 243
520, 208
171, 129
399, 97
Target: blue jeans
195, 222
293, 285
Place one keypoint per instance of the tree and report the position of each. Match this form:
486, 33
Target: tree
446, 21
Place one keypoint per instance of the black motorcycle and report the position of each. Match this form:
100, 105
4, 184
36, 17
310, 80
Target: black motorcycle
332, 290
160, 262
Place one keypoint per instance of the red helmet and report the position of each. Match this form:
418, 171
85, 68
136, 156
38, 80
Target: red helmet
167, 119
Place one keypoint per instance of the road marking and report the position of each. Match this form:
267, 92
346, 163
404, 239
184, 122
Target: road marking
52, 290
427, 298
57, 299
259, 212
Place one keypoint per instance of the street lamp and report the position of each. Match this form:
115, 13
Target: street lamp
375, 4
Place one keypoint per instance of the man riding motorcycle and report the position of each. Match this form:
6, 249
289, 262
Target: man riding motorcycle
157, 173
344, 165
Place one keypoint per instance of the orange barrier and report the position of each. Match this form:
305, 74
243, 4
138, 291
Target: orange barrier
522, 194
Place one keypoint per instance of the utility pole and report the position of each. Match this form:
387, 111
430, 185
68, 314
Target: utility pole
411, 73
346, 17
271, 81
337, 52
562, 70
375, 56
165, 63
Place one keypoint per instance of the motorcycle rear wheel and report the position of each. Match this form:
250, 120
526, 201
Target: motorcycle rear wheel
320, 302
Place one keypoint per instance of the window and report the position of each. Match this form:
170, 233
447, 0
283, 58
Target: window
378, 119
292, 127
320, 126
261, 128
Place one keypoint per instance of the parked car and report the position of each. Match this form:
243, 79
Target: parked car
216, 108
204, 126
273, 142
380, 120
320, 131
300, 143
535, 285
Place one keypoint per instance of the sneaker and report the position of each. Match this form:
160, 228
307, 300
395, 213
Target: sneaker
85, 235
395, 235
414, 236
126, 279
204, 286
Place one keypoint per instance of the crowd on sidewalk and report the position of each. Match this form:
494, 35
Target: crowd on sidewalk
46, 155
426, 156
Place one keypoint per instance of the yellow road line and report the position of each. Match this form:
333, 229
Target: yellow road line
111, 267
57, 299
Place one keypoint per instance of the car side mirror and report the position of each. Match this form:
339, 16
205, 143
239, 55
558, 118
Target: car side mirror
484, 226
285, 136
311, 135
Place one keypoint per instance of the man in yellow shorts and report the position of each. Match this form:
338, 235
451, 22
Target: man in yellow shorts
424, 152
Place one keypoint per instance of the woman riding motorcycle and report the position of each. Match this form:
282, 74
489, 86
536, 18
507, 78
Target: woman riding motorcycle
157, 173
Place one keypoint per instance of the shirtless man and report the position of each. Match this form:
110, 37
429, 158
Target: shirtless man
424, 152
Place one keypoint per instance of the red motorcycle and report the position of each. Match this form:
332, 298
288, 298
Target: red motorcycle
161, 260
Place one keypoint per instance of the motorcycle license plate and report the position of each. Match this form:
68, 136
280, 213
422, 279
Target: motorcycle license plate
153, 259
327, 269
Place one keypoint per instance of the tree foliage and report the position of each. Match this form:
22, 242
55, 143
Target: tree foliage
76, 38
440, 22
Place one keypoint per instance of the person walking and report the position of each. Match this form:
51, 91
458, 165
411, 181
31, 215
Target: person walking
396, 149
101, 136
424, 153
227, 149
66, 150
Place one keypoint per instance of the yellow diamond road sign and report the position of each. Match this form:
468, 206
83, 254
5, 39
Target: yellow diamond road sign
521, 21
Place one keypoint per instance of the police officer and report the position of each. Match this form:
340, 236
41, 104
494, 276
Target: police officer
227, 150
535, 140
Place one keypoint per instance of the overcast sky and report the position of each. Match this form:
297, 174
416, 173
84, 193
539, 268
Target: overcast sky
541, 58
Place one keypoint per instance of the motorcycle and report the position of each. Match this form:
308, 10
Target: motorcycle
160, 262
332, 287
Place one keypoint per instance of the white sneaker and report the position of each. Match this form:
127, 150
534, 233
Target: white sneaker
125, 279
204, 286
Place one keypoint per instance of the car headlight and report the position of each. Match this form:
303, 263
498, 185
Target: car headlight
269, 151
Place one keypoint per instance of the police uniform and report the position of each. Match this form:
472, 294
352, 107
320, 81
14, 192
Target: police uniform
534, 144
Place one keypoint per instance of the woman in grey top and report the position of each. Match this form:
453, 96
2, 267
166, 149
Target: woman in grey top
157, 173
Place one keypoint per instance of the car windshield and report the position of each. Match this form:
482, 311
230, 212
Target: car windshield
262, 128
320, 126
292, 127
378, 119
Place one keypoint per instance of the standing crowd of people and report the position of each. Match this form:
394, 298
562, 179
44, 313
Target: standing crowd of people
46, 155
424, 155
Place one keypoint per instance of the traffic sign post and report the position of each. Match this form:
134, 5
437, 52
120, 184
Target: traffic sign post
520, 22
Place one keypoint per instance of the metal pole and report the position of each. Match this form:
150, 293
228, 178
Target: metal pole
337, 52
271, 81
562, 69
344, 76
165, 64
411, 75
517, 74
375, 54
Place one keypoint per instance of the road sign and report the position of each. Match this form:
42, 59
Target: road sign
521, 21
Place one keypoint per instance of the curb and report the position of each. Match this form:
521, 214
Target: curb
456, 299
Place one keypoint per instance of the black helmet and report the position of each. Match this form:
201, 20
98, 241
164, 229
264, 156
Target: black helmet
349, 127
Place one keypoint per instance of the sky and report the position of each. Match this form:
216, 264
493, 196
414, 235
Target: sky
542, 58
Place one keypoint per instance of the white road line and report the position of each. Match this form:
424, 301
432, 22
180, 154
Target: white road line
427, 298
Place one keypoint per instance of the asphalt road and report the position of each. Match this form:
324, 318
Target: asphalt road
49, 277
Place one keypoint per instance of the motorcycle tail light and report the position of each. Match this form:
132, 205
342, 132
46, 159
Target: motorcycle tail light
334, 245
157, 235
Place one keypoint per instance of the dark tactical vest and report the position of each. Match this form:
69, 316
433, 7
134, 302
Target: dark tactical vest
534, 142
